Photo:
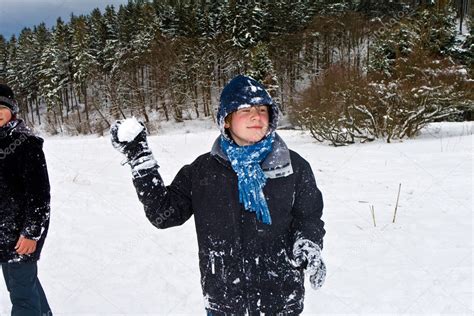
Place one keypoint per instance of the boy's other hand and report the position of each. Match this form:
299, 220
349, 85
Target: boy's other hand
307, 254
25, 246
318, 275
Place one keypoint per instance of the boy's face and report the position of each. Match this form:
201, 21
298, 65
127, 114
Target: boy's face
249, 125
5, 115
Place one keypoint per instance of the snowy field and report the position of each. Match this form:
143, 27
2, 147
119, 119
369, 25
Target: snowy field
102, 256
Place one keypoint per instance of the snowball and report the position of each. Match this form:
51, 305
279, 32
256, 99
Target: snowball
129, 129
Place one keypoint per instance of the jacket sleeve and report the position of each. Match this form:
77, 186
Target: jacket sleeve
37, 190
165, 206
307, 207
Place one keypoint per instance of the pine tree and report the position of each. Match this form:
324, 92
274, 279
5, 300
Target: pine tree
437, 29
62, 40
469, 47
50, 83
83, 60
27, 86
262, 66
12, 74
169, 23
126, 17
262, 70
42, 37
247, 20
390, 45
188, 20
146, 26
98, 35
107, 56
295, 15
3, 58
211, 18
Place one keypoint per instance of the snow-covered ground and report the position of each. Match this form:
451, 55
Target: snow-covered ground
102, 256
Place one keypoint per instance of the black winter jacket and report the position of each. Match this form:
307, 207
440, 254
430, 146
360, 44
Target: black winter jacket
24, 191
244, 264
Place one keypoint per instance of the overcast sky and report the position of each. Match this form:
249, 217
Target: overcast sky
17, 14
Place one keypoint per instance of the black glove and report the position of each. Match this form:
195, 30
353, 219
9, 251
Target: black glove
134, 150
308, 254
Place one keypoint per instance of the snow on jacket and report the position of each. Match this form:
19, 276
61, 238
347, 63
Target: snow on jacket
24, 191
245, 265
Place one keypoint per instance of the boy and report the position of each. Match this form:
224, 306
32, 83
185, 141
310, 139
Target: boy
256, 206
24, 209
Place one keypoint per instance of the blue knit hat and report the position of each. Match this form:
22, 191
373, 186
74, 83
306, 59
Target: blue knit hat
244, 92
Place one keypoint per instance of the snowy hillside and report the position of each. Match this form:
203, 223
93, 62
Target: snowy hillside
103, 257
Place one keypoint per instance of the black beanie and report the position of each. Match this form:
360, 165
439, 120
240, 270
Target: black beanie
7, 98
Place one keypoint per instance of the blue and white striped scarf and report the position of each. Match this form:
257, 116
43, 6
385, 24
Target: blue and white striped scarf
245, 161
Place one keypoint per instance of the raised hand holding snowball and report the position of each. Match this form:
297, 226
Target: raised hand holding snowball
129, 137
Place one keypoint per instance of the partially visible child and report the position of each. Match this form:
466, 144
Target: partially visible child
256, 206
24, 209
